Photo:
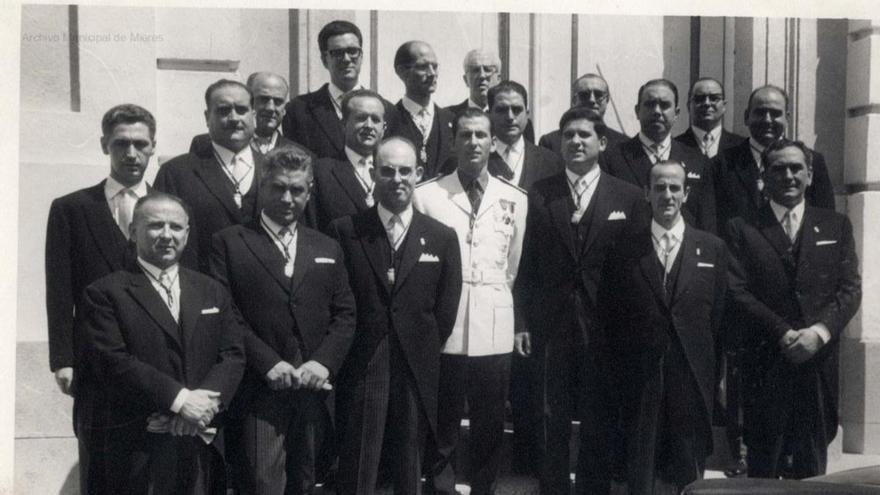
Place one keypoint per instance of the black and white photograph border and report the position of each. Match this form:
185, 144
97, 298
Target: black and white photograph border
64, 65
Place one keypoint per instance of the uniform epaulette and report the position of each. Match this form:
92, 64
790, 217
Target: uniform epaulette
435, 179
511, 184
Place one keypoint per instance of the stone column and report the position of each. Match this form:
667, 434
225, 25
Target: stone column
860, 346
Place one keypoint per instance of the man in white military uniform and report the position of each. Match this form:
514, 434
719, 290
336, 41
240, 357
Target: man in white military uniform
489, 216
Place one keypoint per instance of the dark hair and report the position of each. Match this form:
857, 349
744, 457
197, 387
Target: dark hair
286, 158
155, 195
582, 113
225, 83
358, 93
766, 86
337, 28
471, 113
127, 113
659, 82
781, 144
507, 87
705, 79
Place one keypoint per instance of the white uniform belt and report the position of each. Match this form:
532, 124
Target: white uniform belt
484, 276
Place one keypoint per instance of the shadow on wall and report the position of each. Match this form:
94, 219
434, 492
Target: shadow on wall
71, 482
830, 97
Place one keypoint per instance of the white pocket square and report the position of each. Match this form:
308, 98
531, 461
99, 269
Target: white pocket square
211, 311
825, 243
693, 175
705, 265
325, 260
428, 258
617, 215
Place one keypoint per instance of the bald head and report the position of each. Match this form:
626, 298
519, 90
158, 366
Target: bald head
270, 92
482, 70
416, 65
591, 92
396, 173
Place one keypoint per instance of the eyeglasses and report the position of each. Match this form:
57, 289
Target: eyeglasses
387, 172
353, 52
597, 95
713, 98
424, 67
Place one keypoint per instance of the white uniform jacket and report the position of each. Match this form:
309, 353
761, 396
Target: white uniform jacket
490, 254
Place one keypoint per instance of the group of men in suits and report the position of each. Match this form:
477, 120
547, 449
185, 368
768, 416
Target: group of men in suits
379, 270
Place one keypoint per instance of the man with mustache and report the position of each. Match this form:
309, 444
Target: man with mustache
739, 184
345, 187
795, 285
488, 214
87, 237
220, 183
706, 105
270, 92
657, 110
291, 286
315, 119
420, 120
482, 71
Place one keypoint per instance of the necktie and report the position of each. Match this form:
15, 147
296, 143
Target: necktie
395, 231
167, 284
239, 171
422, 122
788, 225
475, 196
286, 238
125, 200
580, 189
654, 150
363, 174
666, 245
706, 145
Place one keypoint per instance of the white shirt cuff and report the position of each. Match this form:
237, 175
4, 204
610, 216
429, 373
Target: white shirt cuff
822, 331
179, 400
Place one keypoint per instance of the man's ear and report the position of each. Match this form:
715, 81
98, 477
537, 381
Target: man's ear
104, 142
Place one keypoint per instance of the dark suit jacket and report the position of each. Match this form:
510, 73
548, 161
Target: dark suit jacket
440, 142
419, 309
83, 244
459, 108
728, 140
307, 317
143, 358
336, 193
538, 163
775, 289
199, 181
552, 268
736, 184
311, 121
643, 326
630, 163
201, 144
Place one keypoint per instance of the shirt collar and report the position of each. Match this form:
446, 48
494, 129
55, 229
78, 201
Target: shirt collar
677, 230
699, 133
414, 108
516, 147
779, 210
354, 157
591, 175
337, 93
756, 146
274, 226
112, 188
385, 215
482, 179
473, 104
246, 155
662, 146
155, 271
271, 140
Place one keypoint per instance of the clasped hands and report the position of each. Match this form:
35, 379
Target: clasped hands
799, 346
196, 413
311, 375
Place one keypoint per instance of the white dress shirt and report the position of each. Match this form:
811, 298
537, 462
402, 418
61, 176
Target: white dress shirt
246, 156
663, 147
676, 235
515, 155
385, 217
265, 145
591, 180
361, 171
414, 109
273, 228
121, 202
715, 136
336, 96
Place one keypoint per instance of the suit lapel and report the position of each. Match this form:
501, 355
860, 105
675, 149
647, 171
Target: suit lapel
208, 170
637, 161
344, 173
143, 292
303, 260
412, 249
603, 200
687, 265
649, 266
457, 194
490, 197
808, 236
325, 115
527, 168
371, 239
266, 253
747, 171
560, 206
190, 306
109, 239
773, 232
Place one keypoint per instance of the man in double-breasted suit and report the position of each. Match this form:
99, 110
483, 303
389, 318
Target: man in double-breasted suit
315, 119
405, 272
419, 119
345, 187
165, 345
738, 170
86, 239
291, 286
795, 285
706, 105
657, 110
220, 184
576, 218
662, 301
489, 217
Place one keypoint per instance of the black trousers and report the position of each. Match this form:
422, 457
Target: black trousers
575, 386
526, 413
382, 426
481, 383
